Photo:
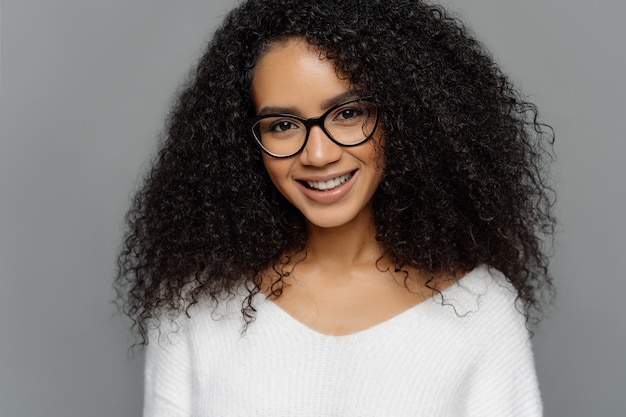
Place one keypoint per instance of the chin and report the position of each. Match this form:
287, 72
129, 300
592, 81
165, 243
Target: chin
337, 217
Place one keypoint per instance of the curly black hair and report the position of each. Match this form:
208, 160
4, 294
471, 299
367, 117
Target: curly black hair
464, 180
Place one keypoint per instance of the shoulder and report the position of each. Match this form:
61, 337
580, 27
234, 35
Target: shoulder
483, 290
481, 305
207, 316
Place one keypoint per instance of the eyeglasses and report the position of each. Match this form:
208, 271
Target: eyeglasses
347, 124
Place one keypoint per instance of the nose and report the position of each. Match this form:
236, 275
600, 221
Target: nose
320, 150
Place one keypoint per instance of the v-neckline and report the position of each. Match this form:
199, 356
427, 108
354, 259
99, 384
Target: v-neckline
378, 329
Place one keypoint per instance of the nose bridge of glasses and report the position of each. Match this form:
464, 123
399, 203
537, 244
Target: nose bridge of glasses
315, 121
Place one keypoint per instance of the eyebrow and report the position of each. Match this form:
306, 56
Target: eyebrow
326, 104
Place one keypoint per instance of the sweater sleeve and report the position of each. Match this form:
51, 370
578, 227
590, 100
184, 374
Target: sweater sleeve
167, 374
504, 382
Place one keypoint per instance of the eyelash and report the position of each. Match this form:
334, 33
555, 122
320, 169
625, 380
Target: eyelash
276, 126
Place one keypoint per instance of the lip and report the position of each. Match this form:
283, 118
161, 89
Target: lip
327, 196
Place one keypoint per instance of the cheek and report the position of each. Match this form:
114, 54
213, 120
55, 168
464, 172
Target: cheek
377, 154
277, 169
269, 165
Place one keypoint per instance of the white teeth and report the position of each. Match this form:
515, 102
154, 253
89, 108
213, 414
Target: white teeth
330, 184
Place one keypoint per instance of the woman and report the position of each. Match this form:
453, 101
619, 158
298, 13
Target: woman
346, 218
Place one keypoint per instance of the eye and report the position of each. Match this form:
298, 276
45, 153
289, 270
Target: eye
349, 113
278, 127
282, 126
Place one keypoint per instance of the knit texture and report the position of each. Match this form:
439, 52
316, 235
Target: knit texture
465, 353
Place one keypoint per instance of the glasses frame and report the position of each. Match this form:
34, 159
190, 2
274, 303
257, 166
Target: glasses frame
309, 123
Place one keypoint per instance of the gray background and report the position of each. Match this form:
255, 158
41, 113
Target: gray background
84, 87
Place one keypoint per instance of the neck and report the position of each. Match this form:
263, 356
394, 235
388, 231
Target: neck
348, 245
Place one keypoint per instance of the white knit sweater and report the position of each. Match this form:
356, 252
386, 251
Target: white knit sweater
467, 356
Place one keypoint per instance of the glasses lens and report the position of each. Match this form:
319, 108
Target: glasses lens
280, 136
352, 122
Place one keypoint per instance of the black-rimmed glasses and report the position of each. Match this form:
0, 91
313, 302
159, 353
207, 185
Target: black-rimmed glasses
347, 124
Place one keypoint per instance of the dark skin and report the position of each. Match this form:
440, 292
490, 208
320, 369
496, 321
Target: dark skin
345, 283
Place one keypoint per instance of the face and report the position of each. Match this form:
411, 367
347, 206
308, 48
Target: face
330, 184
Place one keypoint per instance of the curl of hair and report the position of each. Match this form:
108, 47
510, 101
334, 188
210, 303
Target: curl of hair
464, 177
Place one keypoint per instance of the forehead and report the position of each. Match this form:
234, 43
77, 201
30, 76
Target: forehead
297, 74
278, 51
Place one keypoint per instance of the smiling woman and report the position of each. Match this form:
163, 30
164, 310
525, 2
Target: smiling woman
329, 183
346, 218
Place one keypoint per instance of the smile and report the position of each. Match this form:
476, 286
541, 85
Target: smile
330, 184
